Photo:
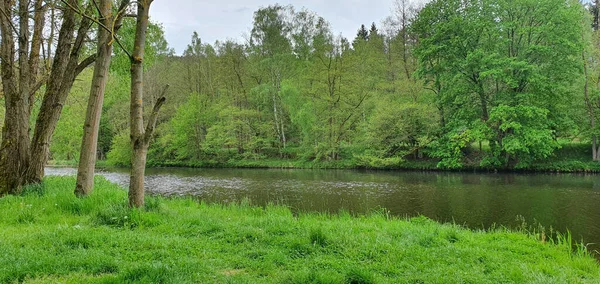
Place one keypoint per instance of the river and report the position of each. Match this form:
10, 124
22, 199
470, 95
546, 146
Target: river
559, 201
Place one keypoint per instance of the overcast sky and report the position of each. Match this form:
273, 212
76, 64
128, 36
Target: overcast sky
231, 19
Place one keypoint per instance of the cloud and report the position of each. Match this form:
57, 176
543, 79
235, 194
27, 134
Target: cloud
221, 20
237, 10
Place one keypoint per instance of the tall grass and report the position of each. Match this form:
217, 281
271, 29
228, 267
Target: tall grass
49, 236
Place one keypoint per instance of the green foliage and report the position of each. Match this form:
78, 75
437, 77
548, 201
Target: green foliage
156, 46
66, 141
425, 88
507, 77
526, 133
189, 127
372, 160
120, 153
45, 239
451, 148
398, 129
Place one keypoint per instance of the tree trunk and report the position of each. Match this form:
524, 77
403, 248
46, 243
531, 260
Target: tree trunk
138, 171
589, 105
140, 137
36, 46
89, 143
14, 150
22, 162
594, 148
65, 69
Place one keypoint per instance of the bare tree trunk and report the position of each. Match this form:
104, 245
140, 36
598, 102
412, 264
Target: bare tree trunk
36, 46
19, 166
65, 69
589, 105
89, 143
276, 117
278, 112
14, 150
51, 36
140, 136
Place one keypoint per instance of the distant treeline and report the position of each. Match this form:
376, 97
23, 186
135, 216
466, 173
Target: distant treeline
502, 82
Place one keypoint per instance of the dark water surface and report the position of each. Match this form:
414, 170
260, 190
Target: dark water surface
560, 201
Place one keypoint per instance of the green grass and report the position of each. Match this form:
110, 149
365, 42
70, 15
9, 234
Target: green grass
49, 236
75, 163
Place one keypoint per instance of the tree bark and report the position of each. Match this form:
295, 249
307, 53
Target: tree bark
14, 150
89, 143
140, 137
36, 46
22, 162
590, 107
65, 69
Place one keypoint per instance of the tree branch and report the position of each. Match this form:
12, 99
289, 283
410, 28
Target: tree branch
85, 63
98, 9
118, 19
37, 85
9, 20
100, 25
154, 115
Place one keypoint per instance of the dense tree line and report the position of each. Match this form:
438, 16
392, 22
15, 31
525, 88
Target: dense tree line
499, 83
293, 91
499, 78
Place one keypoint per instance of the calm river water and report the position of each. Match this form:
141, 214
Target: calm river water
475, 200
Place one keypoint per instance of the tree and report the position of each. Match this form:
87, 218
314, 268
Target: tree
505, 77
373, 31
590, 57
141, 134
22, 159
66, 140
362, 33
108, 24
272, 48
113, 137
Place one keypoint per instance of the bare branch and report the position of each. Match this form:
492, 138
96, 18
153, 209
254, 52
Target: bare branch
100, 25
154, 115
118, 19
85, 63
9, 20
37, 85
98, 9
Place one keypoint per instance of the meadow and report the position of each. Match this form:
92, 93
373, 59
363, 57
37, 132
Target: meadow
47, 235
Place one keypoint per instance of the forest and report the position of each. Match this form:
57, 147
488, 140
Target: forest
457, 84
448, 85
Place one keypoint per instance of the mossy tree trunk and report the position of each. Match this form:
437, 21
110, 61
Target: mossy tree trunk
22, 159
18, 86
140, 135
66, 67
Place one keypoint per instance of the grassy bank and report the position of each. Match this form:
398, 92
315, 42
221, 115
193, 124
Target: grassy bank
571, 157
49, 236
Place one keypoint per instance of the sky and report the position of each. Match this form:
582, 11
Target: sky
232, 19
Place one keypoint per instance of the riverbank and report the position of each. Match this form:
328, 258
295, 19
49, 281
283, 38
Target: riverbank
570, 158
48, 235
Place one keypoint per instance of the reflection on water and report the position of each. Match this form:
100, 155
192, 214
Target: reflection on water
474, 200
